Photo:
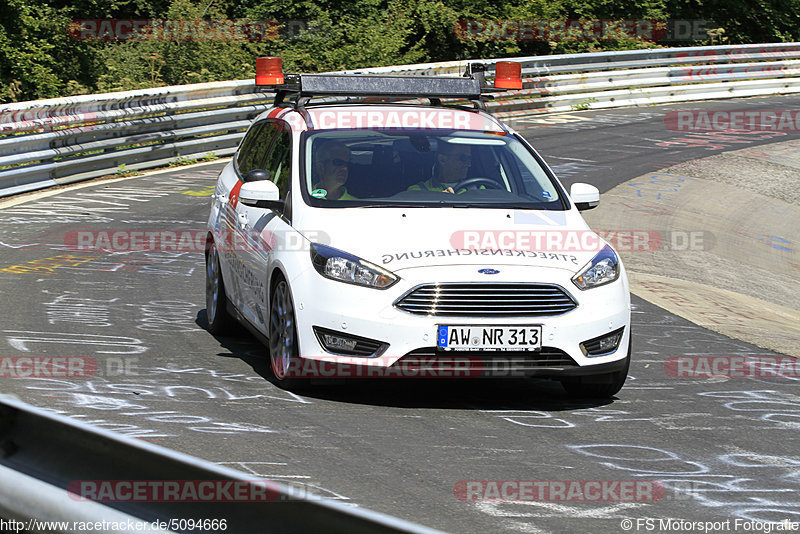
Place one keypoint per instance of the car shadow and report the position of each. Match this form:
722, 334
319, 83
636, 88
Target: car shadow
453, 393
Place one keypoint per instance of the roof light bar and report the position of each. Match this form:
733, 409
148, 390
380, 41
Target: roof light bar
412, 86
302, 87
371, 85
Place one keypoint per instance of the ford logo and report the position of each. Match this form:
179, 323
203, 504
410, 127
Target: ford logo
488, 271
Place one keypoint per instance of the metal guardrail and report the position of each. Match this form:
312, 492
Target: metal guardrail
49, 142
43, 454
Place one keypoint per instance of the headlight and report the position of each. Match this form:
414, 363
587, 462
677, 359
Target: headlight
337, 265
603, 269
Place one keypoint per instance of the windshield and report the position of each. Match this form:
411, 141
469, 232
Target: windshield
344, 168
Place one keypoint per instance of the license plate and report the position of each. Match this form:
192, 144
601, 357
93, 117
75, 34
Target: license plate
494, 337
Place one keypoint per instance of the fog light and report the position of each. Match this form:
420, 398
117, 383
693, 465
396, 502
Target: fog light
602, 345
334, 342
347, 344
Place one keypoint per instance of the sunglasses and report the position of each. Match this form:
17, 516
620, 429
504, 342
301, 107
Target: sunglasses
338, 162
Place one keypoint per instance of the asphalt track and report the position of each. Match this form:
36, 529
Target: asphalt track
725, 449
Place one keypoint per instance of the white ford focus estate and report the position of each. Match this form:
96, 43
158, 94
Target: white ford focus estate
410, 239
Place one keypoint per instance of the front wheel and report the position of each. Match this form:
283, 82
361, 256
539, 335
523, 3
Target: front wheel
283, 338
576, 387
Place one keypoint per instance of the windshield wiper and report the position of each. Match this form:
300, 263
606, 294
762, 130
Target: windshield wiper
388, 205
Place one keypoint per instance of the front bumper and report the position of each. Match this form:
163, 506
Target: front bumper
408, 341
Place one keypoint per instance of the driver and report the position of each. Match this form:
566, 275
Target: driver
332, 166
451, 166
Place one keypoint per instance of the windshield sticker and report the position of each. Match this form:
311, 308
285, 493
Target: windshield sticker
546, 194
389, 258
319, 193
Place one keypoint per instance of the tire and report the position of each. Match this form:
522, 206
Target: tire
577, 388
283, 355
219, 321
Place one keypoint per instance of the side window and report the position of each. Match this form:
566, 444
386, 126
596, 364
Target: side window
254, 148
279, 161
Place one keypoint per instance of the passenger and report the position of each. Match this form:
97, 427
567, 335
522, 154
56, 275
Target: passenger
332, 167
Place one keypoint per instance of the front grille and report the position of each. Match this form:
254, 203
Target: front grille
487, 300
469, 364
546, 357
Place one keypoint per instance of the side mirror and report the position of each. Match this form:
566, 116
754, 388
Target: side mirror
256, 175
584, 196
260, 194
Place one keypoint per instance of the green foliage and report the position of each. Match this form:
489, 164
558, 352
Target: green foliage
584, 104
40, 58
136, 64
30, 46
753, 21
368, 36
124, 171
180, 161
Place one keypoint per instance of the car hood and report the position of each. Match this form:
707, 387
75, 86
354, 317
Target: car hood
403, 238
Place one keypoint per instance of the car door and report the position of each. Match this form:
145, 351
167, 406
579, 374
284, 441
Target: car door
230, 238
263, 231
